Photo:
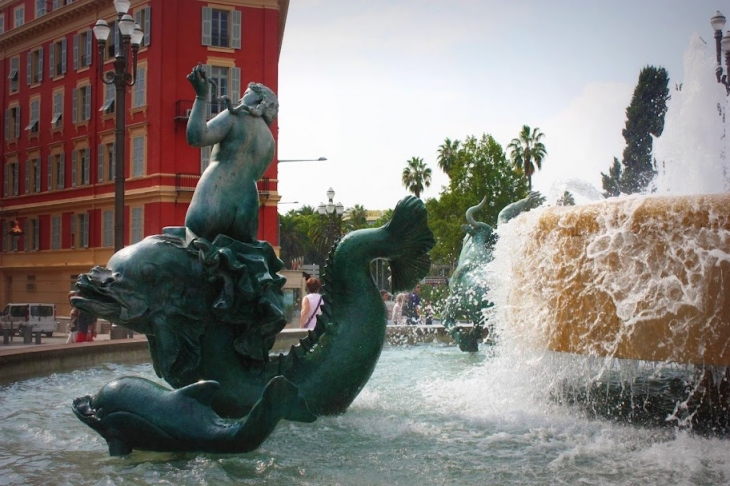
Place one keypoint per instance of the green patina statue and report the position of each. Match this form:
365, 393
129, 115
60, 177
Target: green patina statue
468, 284
208, 297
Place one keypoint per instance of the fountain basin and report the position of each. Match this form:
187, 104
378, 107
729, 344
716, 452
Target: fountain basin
640, 277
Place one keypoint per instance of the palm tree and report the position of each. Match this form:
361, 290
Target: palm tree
416, 176
357, 217
527, 152
447, 155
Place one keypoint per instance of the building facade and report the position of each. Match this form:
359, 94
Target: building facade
58, 149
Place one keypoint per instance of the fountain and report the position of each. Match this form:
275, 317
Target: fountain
643, 278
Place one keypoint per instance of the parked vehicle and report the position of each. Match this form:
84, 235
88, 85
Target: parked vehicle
39, 317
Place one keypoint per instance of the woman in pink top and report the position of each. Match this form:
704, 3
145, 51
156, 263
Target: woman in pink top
311, 304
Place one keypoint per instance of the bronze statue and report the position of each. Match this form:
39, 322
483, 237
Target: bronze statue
208, 297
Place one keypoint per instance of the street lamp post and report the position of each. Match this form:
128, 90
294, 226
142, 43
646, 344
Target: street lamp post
722, 45
121, 78
331, 210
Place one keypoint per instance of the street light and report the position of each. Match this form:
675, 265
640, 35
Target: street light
331, 210
320, 159
131, 33
722, 44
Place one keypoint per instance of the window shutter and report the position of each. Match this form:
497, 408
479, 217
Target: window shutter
26, 235
63, 56
49, 185
236, 39
85, 230
100, 163
204, 158
6, 182
74, 160
87, 165
87, 48
87, 103
62, 172
147, 25
16, 178
27, 176
30, 67
17, 122
51, 61
207, 26
7, 126
76, 52
37, 164
235, 85
55, 4
40, 64
212, 92
113, 164
75, 105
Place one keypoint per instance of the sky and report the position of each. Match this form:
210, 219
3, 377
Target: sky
368, 84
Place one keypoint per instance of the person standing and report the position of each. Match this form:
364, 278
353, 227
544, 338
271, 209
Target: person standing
412, 307
397, 316
72, 327
311, 304
86, 327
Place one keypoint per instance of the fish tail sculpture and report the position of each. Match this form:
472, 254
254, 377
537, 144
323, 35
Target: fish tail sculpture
135, 413
332, 364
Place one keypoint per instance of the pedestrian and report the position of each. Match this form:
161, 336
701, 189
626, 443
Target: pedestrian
427, 313
397, 315
311, 304
412, 307
71, 327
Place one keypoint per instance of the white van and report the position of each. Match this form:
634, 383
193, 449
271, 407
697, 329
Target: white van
39, 317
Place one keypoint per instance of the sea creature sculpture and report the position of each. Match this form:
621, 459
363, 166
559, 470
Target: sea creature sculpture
468, 290
135, 413
168, 288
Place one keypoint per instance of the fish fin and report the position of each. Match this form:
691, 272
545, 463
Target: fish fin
118, 447
201, 391
284, 394
409, 228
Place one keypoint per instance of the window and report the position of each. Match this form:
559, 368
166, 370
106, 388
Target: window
205, 157
82, 49
81, 104
32, 235
40, 8
60, 3
105, 167
33, 125
35, 66
79, 230
12, 123
80, 167
221, 28
56, 171
142, 17
13, 74
55, 232
107, 227
57, 58
12, 175
2, 24
228, 81
57, 119
138, 156
19, 16
137, 225
110, 93
139, 97
112, 41
32, 175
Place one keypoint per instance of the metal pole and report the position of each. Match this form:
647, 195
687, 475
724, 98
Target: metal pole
120, 65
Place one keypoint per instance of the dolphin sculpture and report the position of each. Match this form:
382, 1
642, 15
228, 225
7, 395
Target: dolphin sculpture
163, 287
135, 413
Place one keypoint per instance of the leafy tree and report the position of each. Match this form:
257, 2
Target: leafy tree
447, 155
612, 180
416, 176
384, 218
644, 118
480, 169
295, 228
357, 218
566, 199
527, 152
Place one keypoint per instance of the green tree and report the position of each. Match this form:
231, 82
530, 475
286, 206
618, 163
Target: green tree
357, 218
295, 242
527, 152
644, 118
416, 176
447, 155
566, 199
480, 169
612, 181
